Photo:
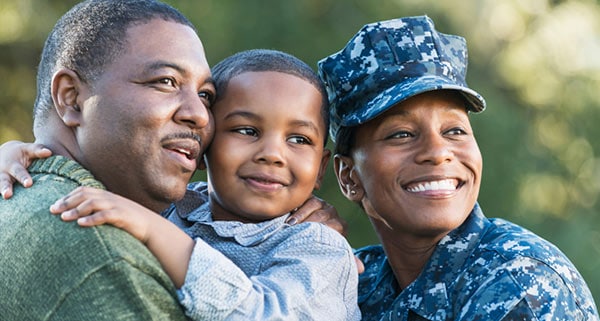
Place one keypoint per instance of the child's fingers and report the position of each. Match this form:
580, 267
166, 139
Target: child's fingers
88, 216
6, 183
37, 151
90, 212
34, 151
97, 218
20, 174
74, 199
76, 207
70, 215
87, 206
65, 203
17, 173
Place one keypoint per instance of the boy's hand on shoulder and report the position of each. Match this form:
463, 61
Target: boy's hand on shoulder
317, 210
90, 207
15, 157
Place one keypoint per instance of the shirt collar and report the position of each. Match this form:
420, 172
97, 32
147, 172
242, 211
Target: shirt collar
194, 210
443, 268
65, 167
245, 234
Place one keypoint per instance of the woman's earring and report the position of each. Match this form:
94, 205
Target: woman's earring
352, 192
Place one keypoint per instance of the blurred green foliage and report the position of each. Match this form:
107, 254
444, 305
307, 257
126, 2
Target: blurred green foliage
537, 62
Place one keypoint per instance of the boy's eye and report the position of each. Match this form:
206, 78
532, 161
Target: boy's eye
299, 140
246, 131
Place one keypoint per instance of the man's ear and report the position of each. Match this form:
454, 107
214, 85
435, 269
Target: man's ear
349, 183
323, 167
66, 88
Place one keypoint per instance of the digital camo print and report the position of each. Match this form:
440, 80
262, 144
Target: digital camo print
487, 269
387, 62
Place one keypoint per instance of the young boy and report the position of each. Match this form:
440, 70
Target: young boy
267, 157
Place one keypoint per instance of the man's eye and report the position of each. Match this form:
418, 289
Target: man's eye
166, 81
208, 96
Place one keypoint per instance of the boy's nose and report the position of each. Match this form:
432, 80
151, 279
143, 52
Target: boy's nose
271, 151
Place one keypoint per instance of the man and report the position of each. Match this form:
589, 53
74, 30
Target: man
123, 91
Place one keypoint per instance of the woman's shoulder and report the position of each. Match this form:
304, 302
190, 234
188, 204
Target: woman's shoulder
529, 259
370, 253
512, 245
374, 260
511, 240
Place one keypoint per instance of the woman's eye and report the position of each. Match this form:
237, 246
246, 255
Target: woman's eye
299, 140
401, 134
456, 131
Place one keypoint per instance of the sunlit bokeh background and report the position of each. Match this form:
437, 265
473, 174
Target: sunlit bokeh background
537, 62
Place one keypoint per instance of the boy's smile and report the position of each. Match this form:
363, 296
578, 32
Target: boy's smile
264, 182
267, 155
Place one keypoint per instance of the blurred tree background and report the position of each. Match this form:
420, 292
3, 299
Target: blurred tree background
537, 62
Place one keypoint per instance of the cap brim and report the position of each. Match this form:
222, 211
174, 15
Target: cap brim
409, 88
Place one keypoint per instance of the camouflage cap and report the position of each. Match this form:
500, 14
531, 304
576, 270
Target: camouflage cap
390, 61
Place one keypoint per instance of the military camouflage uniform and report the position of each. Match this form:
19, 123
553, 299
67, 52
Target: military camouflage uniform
487, 269
390, 61
484, 269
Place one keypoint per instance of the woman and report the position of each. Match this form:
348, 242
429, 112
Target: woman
405, 152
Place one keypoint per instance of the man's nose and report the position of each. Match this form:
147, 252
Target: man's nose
193, 112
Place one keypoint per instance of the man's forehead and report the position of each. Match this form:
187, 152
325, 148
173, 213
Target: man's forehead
159, 29
159, 43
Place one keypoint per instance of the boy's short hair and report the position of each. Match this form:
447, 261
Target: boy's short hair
259, 60
89, 37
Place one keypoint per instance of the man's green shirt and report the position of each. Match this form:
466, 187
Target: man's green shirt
53, 270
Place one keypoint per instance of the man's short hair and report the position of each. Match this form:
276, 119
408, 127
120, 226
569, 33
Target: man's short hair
89, 37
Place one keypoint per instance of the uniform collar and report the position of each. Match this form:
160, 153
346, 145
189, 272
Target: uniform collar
443, 268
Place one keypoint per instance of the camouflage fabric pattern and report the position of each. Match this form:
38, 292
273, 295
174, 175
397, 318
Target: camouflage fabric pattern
484, 270
390, 61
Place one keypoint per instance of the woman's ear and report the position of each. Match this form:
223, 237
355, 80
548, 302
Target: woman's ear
323, 167
66, 87
349, 183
